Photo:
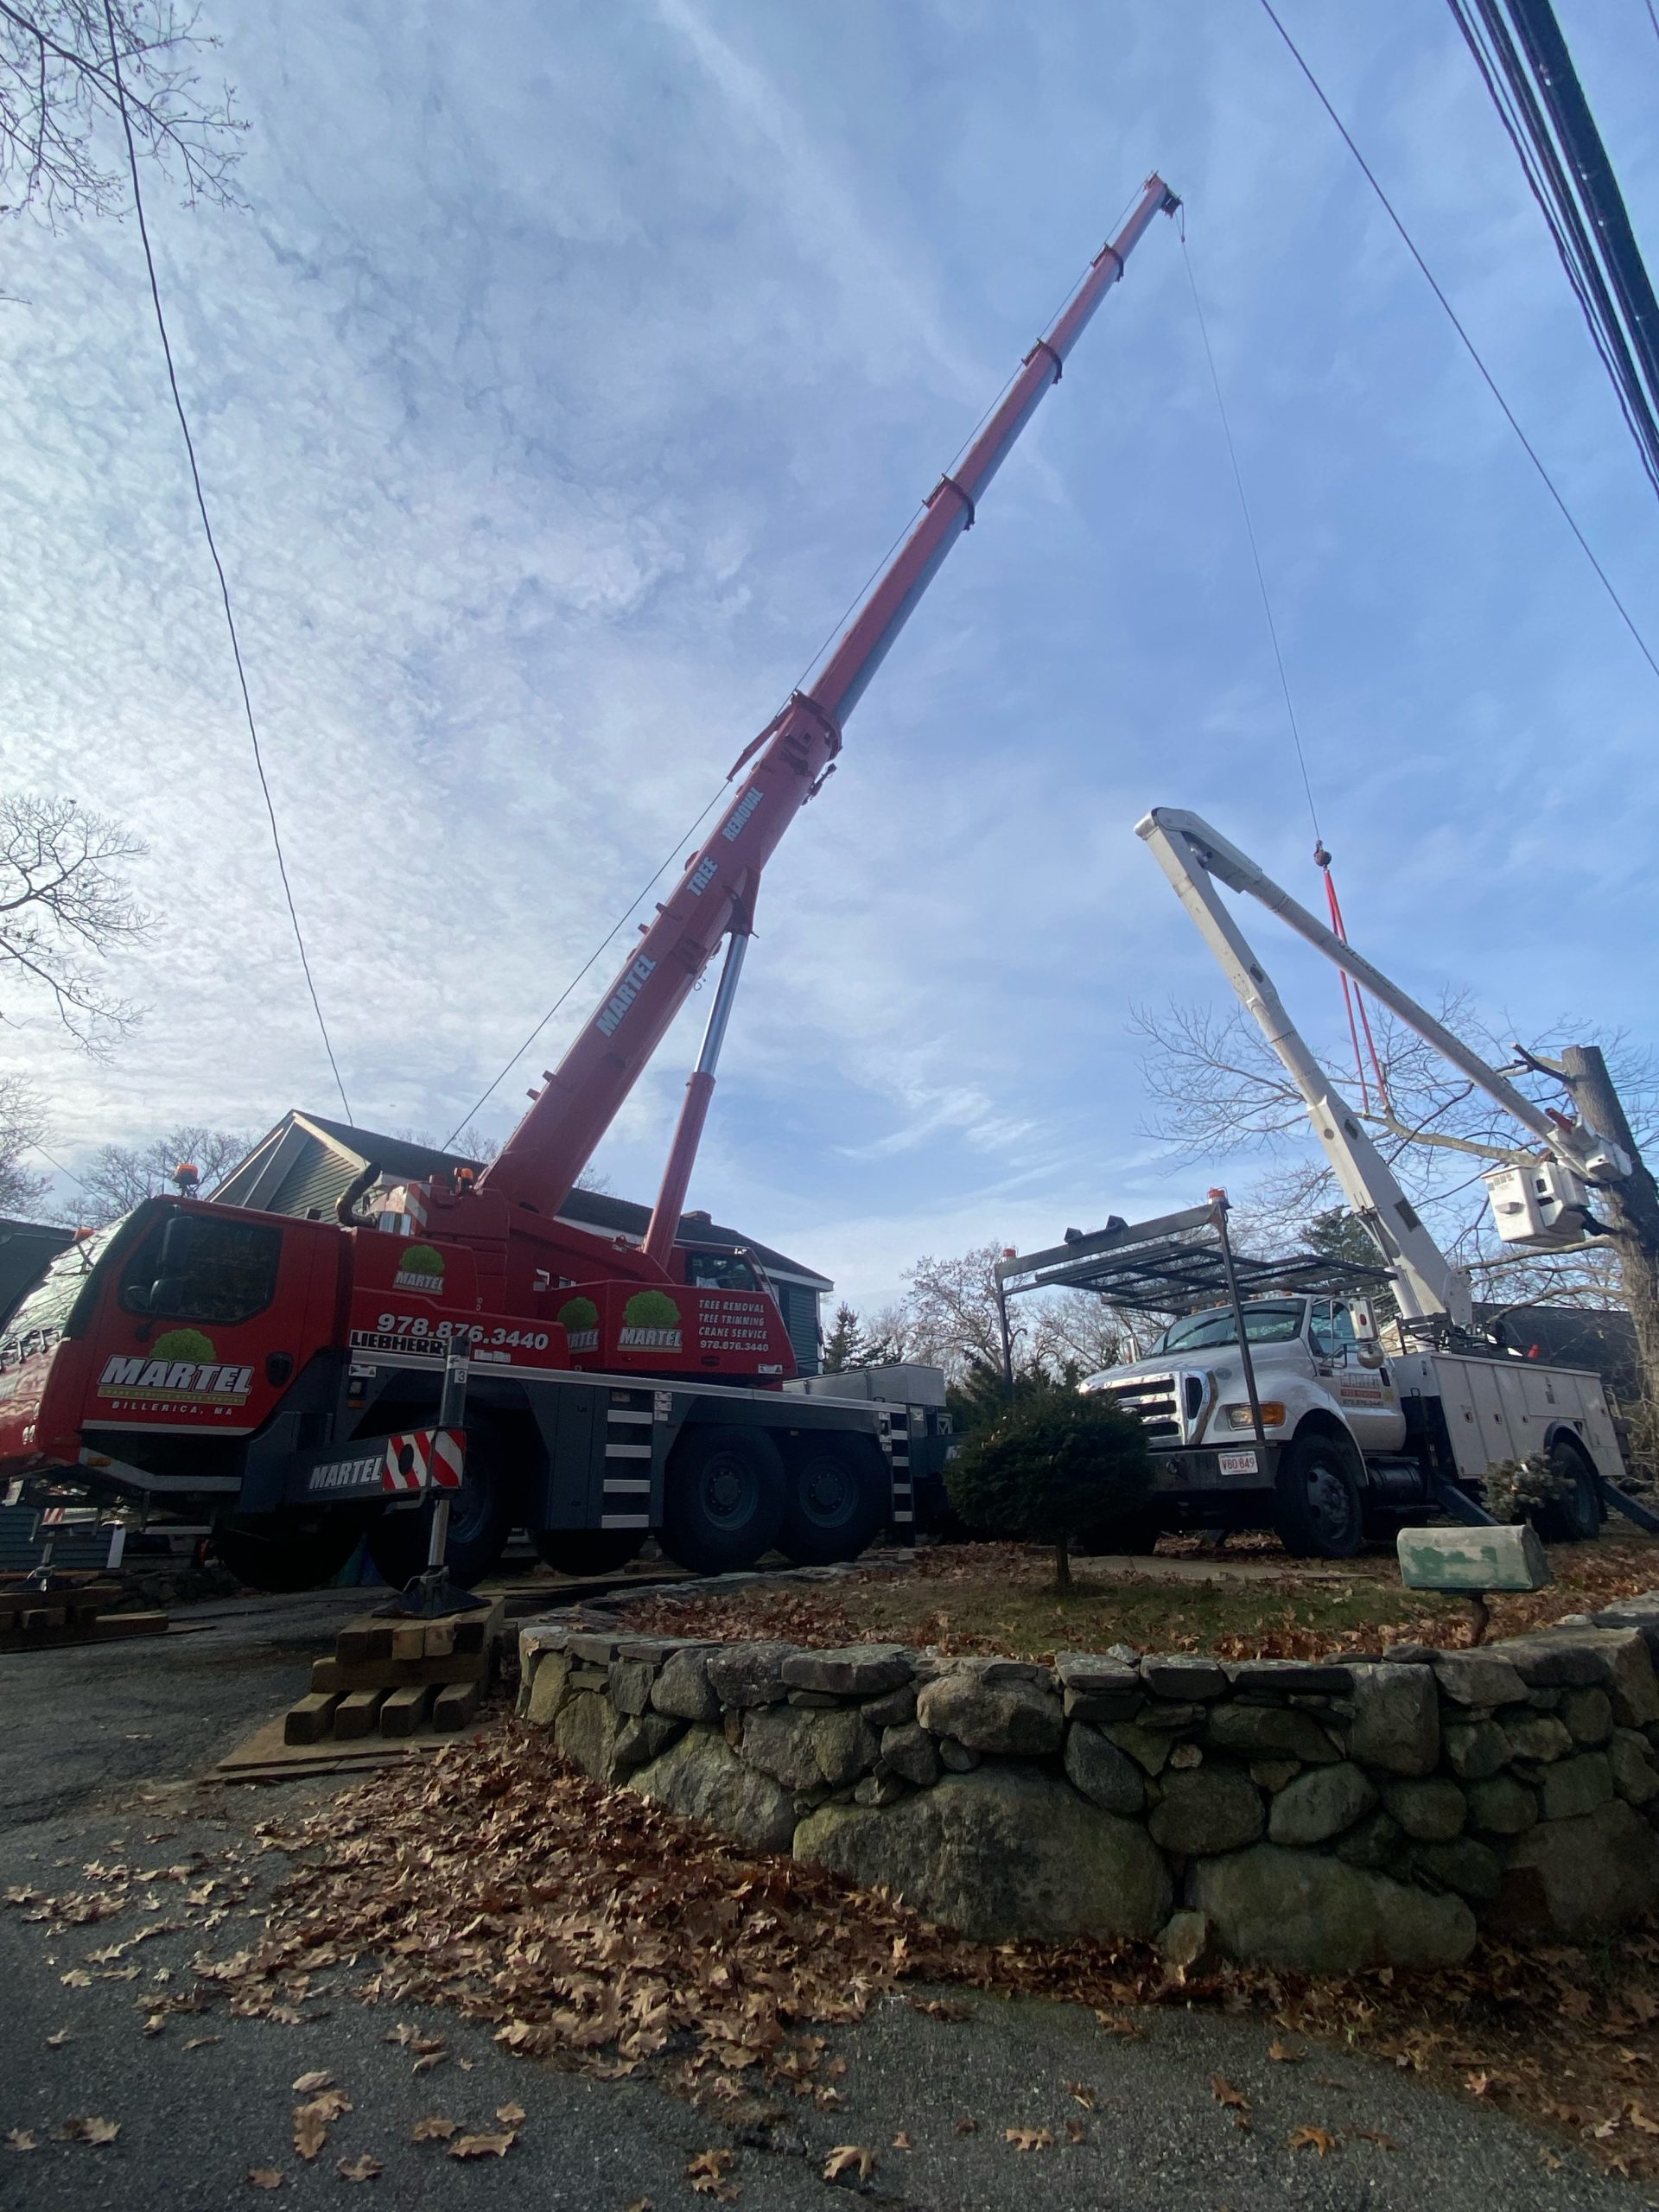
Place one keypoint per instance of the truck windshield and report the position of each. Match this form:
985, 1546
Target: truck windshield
46, 1307
1269, 1321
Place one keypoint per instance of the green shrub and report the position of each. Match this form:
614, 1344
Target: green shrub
1055, 1466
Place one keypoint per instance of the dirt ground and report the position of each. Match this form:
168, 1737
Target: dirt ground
1250, 1601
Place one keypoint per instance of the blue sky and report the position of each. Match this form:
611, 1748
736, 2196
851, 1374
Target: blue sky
571, 367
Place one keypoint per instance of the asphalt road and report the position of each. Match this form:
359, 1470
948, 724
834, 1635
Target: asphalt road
100, 1756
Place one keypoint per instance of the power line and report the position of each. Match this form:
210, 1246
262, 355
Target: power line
1468, 343
508, 1065
219, 566
1250, 532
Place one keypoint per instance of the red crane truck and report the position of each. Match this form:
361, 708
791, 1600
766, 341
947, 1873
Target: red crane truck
267, 1372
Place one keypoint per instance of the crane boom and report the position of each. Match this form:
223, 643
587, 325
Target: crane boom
1195, 858
783, 767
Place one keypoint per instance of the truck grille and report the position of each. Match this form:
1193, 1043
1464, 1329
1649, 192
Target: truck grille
1155, 1399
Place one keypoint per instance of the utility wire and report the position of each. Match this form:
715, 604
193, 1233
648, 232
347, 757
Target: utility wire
508, 1065
218, 566
1468, 343
1255, 551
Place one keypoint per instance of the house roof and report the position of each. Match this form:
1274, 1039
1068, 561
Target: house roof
27, 1249
400, 1159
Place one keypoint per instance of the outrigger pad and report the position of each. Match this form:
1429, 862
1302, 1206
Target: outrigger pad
428, 1596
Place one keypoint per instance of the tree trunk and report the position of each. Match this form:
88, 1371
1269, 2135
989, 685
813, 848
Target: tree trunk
1629, 1209
1062, 1566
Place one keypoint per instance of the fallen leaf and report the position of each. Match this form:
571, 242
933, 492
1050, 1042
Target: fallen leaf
89, 2129
509, 2115
1115, 2025
1639, 2118
1075, 2130
1478, 2084
1224, 2093
1085, 2095
941, 2008
199, 2042
363, 2168
155, 2024
309, 2084
264, 2177
483, 2146
707, 2172
967, 2127
1028, 2139
432, 2058
1285, 2055
640, 2205
20, 2139
1312, 2138
310, 2129
902, 2142
1551, 2161
847, 2158
434, 2128
1372, 2135
57, 2041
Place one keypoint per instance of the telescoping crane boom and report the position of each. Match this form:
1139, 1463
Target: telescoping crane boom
1196, 858
777, 773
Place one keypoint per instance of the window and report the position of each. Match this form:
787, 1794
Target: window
1267, 1321
197, 1268
719, 1271
1342, 1322
1321, 1332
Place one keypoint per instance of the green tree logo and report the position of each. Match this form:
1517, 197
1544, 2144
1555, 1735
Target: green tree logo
579, 1319
183, 1343
421, 1267
651, 1319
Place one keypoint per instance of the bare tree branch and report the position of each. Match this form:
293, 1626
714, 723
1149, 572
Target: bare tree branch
57, 85
59, 903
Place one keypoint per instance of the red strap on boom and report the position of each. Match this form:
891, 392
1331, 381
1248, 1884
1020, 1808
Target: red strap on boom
1352, 997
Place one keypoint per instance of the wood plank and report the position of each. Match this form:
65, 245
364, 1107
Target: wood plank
403, 1710
454, 1705
393, 1674
112, 1627
440, 1638
357, 1714
408, 1639
311, 1718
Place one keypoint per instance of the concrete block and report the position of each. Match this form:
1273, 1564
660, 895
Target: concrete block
1508, 1557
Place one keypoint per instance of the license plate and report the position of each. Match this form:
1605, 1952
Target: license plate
1238, 1462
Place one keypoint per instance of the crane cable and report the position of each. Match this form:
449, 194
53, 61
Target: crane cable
218, 566
1353, 998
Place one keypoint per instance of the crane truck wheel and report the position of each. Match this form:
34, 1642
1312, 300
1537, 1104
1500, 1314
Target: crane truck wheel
1316, 1505
587, 1551
1575, 1518
724, 1505
833, 1503
284, 1551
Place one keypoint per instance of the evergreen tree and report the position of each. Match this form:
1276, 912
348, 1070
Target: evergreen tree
845, 1346
1056, 1465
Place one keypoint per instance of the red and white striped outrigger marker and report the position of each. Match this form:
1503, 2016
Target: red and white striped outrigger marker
423, 1458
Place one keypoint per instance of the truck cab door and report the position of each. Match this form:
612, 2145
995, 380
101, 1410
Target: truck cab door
209, 1316
1368, 1397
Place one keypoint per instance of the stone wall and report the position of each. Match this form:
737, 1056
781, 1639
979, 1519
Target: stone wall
1326, 1816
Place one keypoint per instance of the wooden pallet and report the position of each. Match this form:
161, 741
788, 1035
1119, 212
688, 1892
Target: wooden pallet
392, 1679
267, 1757
71, 1612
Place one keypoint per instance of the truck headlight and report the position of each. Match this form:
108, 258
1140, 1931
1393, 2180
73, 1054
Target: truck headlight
1273, 1415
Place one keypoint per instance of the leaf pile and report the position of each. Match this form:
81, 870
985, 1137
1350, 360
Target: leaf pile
998, 1597
593, 1931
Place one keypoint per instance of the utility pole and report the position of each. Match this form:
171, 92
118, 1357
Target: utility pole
1629, 1209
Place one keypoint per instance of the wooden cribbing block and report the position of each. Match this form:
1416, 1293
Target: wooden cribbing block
397, 1674
454, 1705
408, 1640
402, 1710
34, 1619
361, 1640
309, 1721
358, 1713
111, 1626
440, 1638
